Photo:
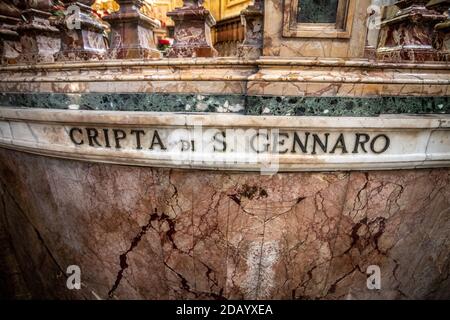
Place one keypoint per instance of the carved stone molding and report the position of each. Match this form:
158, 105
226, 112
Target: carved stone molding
132, 33
253, 20
192, 31
40, 40
82, 34
408, 35
441, 39
10, 47
230, 142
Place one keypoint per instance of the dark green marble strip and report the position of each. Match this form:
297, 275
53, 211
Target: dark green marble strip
251, 105
347, 106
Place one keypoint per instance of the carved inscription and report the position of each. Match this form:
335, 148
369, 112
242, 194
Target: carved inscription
269, 141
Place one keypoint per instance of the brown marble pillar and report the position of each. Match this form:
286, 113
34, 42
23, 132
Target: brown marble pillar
252, 19
441, 39
39, 39
132, 33
408, 35
192, 31
10, 47
82, 33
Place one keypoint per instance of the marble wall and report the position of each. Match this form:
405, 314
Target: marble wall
146, 233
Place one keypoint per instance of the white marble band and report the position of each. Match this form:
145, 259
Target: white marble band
230, 142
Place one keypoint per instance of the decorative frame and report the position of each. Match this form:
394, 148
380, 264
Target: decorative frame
341, 29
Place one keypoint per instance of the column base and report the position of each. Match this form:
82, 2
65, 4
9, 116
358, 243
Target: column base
408, 54
194, 52
39, 39
249, 52
134, 53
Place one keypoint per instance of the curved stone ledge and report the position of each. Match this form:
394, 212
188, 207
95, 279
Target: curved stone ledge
230, 142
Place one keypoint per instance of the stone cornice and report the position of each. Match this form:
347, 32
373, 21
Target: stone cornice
227, 62
273, 143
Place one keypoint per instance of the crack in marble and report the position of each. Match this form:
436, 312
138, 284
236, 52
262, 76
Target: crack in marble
123, 258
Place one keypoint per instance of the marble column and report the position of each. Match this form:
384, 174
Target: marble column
82, 34
441, 39
132, 32
40, 40
192, 31
408, 35
253, 21
10, 47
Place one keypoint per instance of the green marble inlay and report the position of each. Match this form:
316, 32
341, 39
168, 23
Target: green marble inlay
346, 106
158, 102
317, 11
250, 105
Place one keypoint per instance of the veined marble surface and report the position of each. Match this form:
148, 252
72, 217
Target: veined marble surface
148, 233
